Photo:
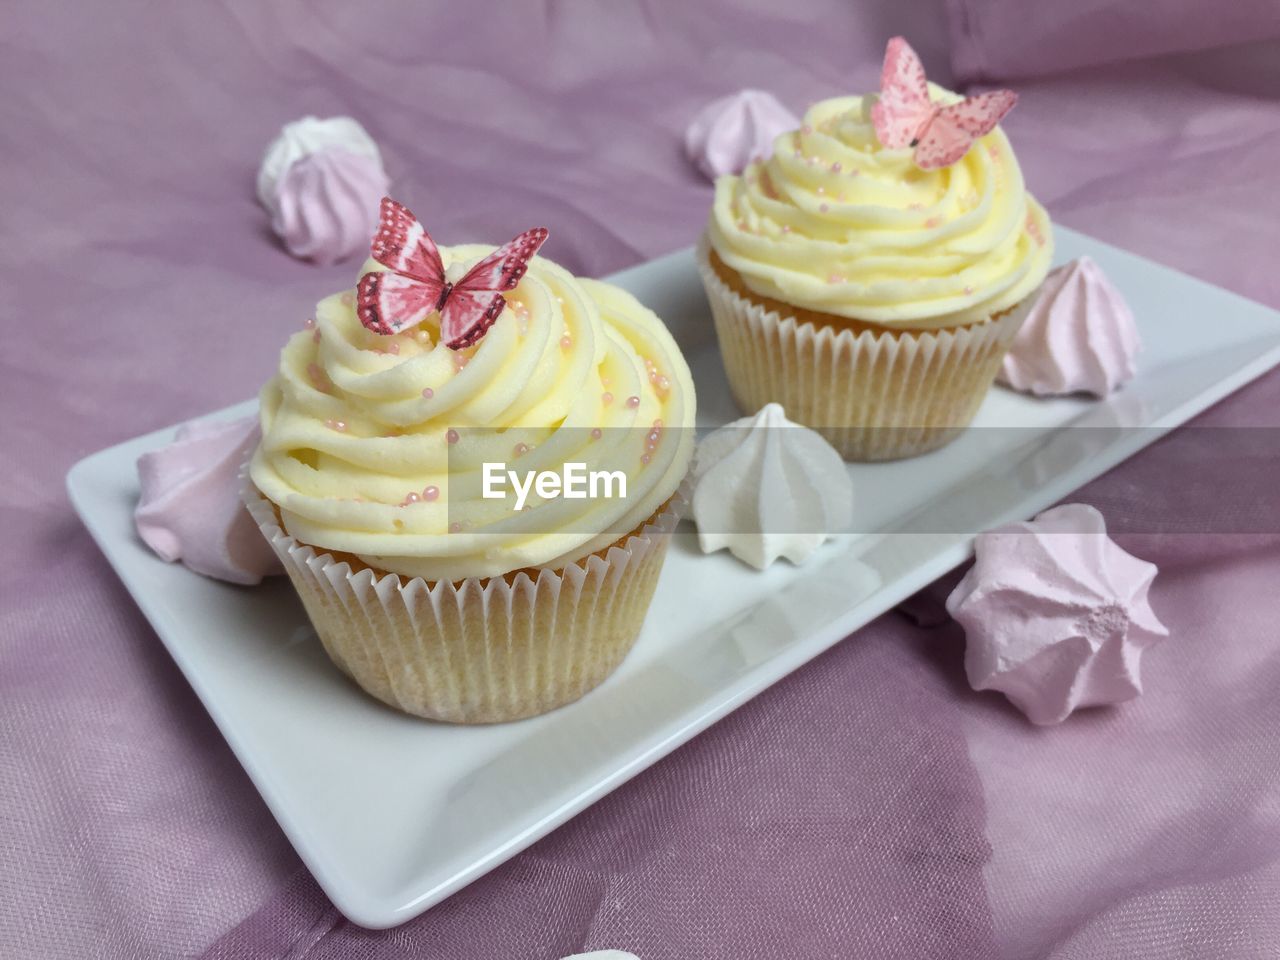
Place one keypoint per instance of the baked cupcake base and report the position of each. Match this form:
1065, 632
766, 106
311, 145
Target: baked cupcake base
482, 650
875, 393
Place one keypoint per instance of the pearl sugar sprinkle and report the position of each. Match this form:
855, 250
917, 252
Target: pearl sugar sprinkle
660, 383
429, 494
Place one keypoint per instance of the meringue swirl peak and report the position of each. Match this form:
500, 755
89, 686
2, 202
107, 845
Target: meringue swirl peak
321, 181
1079, 336
765, 487
729, 133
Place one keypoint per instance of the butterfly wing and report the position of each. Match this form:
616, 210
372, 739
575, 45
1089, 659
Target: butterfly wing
389, 302
402, 244
903, 107
956, 127
474, 303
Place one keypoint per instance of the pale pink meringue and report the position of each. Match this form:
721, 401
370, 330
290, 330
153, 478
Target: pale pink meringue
1079, 336
729, 133
322, 182
327, 205
190, 507
1055, 614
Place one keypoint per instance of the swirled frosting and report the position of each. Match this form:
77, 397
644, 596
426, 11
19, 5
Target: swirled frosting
837, 223
374, 445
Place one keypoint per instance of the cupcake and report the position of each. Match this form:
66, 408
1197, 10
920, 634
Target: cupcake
871, 274
381, 432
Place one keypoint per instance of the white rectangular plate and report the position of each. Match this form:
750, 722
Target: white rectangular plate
393, 814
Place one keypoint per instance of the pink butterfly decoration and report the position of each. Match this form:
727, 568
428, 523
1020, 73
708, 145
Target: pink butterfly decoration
415, 286
904, 116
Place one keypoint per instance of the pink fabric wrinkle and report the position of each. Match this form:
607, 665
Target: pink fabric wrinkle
992, 39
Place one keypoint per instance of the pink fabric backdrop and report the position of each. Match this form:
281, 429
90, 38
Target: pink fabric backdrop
1003, 39
869, 806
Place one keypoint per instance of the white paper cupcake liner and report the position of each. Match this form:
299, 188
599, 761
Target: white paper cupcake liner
879, 395
481, 650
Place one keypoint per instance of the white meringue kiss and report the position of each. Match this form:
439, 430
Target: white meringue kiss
729, 133
1056, 614
1079, 336
765, 487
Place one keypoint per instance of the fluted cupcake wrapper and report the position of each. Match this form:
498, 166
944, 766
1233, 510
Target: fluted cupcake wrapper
875, 395
481, 650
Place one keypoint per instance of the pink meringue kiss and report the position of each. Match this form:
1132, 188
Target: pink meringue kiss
190, 507
326, 205
1055, 614
322, 181
729, 133
1079, 336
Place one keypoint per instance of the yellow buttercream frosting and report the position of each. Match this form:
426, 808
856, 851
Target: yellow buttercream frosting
836, 223
373, 445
